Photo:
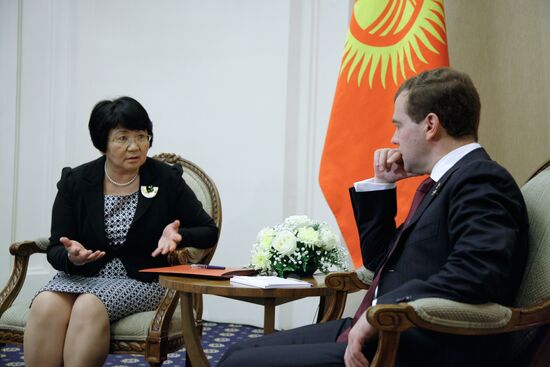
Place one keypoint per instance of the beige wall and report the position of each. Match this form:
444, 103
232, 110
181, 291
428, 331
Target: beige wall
505, 47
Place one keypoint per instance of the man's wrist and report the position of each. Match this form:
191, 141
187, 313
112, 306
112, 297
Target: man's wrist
370, 185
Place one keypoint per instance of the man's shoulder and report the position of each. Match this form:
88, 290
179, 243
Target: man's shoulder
483, 176
483, 167
479, 163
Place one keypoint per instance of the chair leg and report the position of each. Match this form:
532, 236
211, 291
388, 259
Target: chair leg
197, 305
388, 342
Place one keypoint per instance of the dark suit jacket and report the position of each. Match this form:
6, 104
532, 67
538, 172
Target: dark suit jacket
78, 213
466, 242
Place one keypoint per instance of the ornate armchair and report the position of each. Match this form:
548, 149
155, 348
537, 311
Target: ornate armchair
529, 319
154, 333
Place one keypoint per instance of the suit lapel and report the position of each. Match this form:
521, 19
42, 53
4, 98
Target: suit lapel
430, 196
434, 192
93, 197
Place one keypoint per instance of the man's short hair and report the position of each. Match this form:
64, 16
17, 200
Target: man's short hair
449, 94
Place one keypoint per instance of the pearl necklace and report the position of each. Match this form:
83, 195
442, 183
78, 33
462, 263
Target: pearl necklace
116, 183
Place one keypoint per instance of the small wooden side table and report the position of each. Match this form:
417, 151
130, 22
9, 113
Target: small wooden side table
269, 298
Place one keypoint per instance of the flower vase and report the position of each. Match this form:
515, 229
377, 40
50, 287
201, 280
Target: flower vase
301, 273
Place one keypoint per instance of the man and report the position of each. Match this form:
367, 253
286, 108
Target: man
465, 241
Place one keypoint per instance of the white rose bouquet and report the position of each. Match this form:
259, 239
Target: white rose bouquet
300, 246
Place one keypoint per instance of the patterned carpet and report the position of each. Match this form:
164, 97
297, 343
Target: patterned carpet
217, 337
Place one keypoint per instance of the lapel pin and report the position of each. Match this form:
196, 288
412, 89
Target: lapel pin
435, 190
149, 191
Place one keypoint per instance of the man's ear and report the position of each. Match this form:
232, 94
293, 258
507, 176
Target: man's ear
433, 128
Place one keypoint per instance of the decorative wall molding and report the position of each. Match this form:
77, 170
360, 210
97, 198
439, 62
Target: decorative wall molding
10, 66
317, 34
312, 76
17, 121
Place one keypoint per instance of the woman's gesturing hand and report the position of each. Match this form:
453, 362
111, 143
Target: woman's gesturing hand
169, 240
78, 254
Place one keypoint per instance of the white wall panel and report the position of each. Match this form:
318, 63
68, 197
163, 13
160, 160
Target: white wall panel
42, 126
243, 88
9, 22
316, 43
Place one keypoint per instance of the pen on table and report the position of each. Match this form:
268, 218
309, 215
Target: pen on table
204, 266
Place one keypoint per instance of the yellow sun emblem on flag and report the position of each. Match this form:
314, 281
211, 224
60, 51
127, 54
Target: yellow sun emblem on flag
384, 34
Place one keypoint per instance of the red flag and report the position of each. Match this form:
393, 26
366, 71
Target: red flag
387, 42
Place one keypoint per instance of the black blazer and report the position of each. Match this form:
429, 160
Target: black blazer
466, 242
78, 213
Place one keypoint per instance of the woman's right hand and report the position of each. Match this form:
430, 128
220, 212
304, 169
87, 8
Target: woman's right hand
78, 254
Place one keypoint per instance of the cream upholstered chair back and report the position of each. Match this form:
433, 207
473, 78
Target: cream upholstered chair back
535, 285
195, 178
206, 192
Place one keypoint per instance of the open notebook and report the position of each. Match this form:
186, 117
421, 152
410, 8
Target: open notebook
269, 282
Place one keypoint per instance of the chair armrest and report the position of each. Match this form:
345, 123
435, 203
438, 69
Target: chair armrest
437, 315
453, 314
452, 317
27, 248
403, 316
21, 251
350, 282
343, 283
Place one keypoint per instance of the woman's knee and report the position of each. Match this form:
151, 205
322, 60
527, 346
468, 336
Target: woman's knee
51, 308
89, 310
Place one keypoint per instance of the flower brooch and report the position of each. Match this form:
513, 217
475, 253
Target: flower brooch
149, 191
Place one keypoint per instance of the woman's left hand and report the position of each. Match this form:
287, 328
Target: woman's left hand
169, 240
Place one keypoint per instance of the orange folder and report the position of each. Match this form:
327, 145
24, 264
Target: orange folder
188, 270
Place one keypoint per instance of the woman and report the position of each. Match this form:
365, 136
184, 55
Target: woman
111, 217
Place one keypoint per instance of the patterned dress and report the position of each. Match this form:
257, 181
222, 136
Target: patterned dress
120, 294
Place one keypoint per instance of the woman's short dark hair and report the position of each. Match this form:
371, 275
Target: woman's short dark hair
448, 93
123, 112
